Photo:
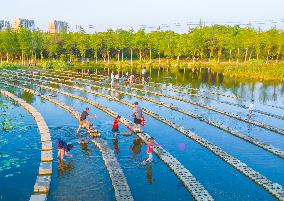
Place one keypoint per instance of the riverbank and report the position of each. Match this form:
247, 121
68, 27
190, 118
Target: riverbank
252, 70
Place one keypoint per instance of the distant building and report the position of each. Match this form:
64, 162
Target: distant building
79, 28
25, 23
55, 26
4, 25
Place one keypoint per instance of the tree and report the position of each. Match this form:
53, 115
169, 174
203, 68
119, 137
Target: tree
83, 43
96, 44
108, 42
25, 42
37, 42
140, 41
53, 46
9, 43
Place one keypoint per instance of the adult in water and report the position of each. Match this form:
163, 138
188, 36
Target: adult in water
63, 148
83, 119
137, 114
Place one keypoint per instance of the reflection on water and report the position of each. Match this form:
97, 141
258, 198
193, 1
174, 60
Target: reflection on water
136, 147
149, 173
65, 168
115, 145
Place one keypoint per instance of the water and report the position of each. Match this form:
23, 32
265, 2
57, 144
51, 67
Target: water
84, 177
19, 155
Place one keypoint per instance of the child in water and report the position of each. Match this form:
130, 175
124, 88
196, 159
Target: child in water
63, 148
150, 148
115, 125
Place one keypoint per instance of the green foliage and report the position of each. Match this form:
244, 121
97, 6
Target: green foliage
9, 66
211, 42
55, 64
216, 43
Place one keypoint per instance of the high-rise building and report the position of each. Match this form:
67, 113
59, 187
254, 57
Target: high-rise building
4, 24
79, 28
25, 23
55, 26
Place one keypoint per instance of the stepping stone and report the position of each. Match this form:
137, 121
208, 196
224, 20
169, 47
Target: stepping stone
43, 130
46, 156
38, 197
42, 184
46, 146
45, 137
45, 168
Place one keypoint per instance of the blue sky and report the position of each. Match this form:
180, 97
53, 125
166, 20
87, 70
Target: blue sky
104, 14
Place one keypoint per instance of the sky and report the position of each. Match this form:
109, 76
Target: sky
126, 14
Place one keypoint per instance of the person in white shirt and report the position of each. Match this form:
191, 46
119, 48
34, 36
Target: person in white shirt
112, 79
143, 75
250, 109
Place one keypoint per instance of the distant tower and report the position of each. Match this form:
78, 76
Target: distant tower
55, 26
25, 23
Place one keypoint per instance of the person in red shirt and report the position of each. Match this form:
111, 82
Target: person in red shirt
115, 125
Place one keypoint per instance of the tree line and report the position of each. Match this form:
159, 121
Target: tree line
217, 42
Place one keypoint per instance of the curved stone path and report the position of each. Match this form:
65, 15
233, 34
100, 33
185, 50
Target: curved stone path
183, 92
253, 122
273, 188
235, 116
42, 184
230, 103
107, 77
276, 151
179, 91
188, 180
66, 77
103, 77
121, 188
268, 147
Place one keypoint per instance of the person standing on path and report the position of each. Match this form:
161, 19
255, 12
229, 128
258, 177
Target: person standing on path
131, 79
115, 125
251, 107
111, 79
143, 75
116, 79
83, 119
137, 114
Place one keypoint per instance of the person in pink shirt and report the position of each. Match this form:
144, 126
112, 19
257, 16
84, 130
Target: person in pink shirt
150, 148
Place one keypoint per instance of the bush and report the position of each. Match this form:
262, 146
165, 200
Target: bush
58, 65
9, 66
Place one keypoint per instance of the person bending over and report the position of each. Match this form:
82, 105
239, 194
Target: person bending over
63, 148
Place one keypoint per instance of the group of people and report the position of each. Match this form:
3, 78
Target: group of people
64, 148
128, 79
